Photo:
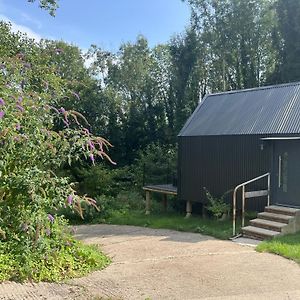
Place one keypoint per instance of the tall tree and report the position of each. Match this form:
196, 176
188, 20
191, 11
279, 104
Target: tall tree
287, 41
237, 35
188, 77
132, 80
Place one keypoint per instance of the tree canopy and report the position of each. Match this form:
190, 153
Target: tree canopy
49, 5
140, 95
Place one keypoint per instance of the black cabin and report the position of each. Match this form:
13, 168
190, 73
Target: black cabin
235, 136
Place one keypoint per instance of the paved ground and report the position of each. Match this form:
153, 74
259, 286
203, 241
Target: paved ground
164, 264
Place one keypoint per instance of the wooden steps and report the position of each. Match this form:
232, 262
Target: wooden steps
274, 217
266, 224
289, 211
274, 221
259, 233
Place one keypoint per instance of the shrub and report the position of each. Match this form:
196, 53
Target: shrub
157, 164
68, 260
124, 202
101, 180
31, 152
217, 206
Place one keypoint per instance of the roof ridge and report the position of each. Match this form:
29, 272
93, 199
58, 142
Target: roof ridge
266, 87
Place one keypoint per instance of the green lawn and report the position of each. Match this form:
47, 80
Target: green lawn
287, 246
175, 221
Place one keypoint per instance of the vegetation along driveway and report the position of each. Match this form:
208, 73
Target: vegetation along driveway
165, 264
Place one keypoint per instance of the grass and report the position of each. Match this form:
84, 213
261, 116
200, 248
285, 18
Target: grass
287, 246
65, 263
175, 221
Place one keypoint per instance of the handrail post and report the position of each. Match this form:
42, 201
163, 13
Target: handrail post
243, 206
243, 185
234, 212
269, 188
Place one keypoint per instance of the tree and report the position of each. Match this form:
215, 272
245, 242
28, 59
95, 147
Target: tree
286, 39
187, 83
238, 41
49, 5
133, 82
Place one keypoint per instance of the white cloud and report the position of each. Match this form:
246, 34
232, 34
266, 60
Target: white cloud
21, 28
27, 18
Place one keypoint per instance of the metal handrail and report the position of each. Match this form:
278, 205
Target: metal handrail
243, 185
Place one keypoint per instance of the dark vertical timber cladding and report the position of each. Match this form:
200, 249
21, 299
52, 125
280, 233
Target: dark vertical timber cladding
220, 163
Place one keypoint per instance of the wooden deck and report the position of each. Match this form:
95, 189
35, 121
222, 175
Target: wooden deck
164, 189
167, 189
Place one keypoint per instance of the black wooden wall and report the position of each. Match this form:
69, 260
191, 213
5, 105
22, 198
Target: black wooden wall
220, 163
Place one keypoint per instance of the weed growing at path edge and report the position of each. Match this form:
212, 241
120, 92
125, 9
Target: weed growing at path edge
68, 261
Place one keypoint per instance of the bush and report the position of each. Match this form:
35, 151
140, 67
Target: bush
124, 202
120, 189
101, 180
34, 242
157, 164
217, 206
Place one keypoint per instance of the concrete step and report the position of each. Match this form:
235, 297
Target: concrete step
282, 210
266, 224
274, 217
258, 233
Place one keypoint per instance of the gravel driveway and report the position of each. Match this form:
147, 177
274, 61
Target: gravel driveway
165, 264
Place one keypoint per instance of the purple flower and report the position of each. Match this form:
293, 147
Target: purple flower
20, 107
2, 102
48, 232
2, 113
62, 110
92, 158
91, 145
70, 199
51, 218
18, 126
20, 99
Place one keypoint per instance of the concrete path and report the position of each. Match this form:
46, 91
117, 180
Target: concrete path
164, 264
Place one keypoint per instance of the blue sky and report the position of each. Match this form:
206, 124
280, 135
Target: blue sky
106, 23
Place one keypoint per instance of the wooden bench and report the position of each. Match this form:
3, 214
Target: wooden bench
164, 189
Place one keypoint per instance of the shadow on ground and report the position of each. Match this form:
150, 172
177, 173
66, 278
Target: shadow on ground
92, 232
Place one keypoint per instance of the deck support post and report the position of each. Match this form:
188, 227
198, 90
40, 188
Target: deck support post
165, 202
188, 209
148, 202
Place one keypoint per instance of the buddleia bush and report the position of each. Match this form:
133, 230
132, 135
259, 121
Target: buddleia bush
31, 152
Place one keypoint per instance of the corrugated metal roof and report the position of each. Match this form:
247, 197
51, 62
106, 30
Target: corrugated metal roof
264, 110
